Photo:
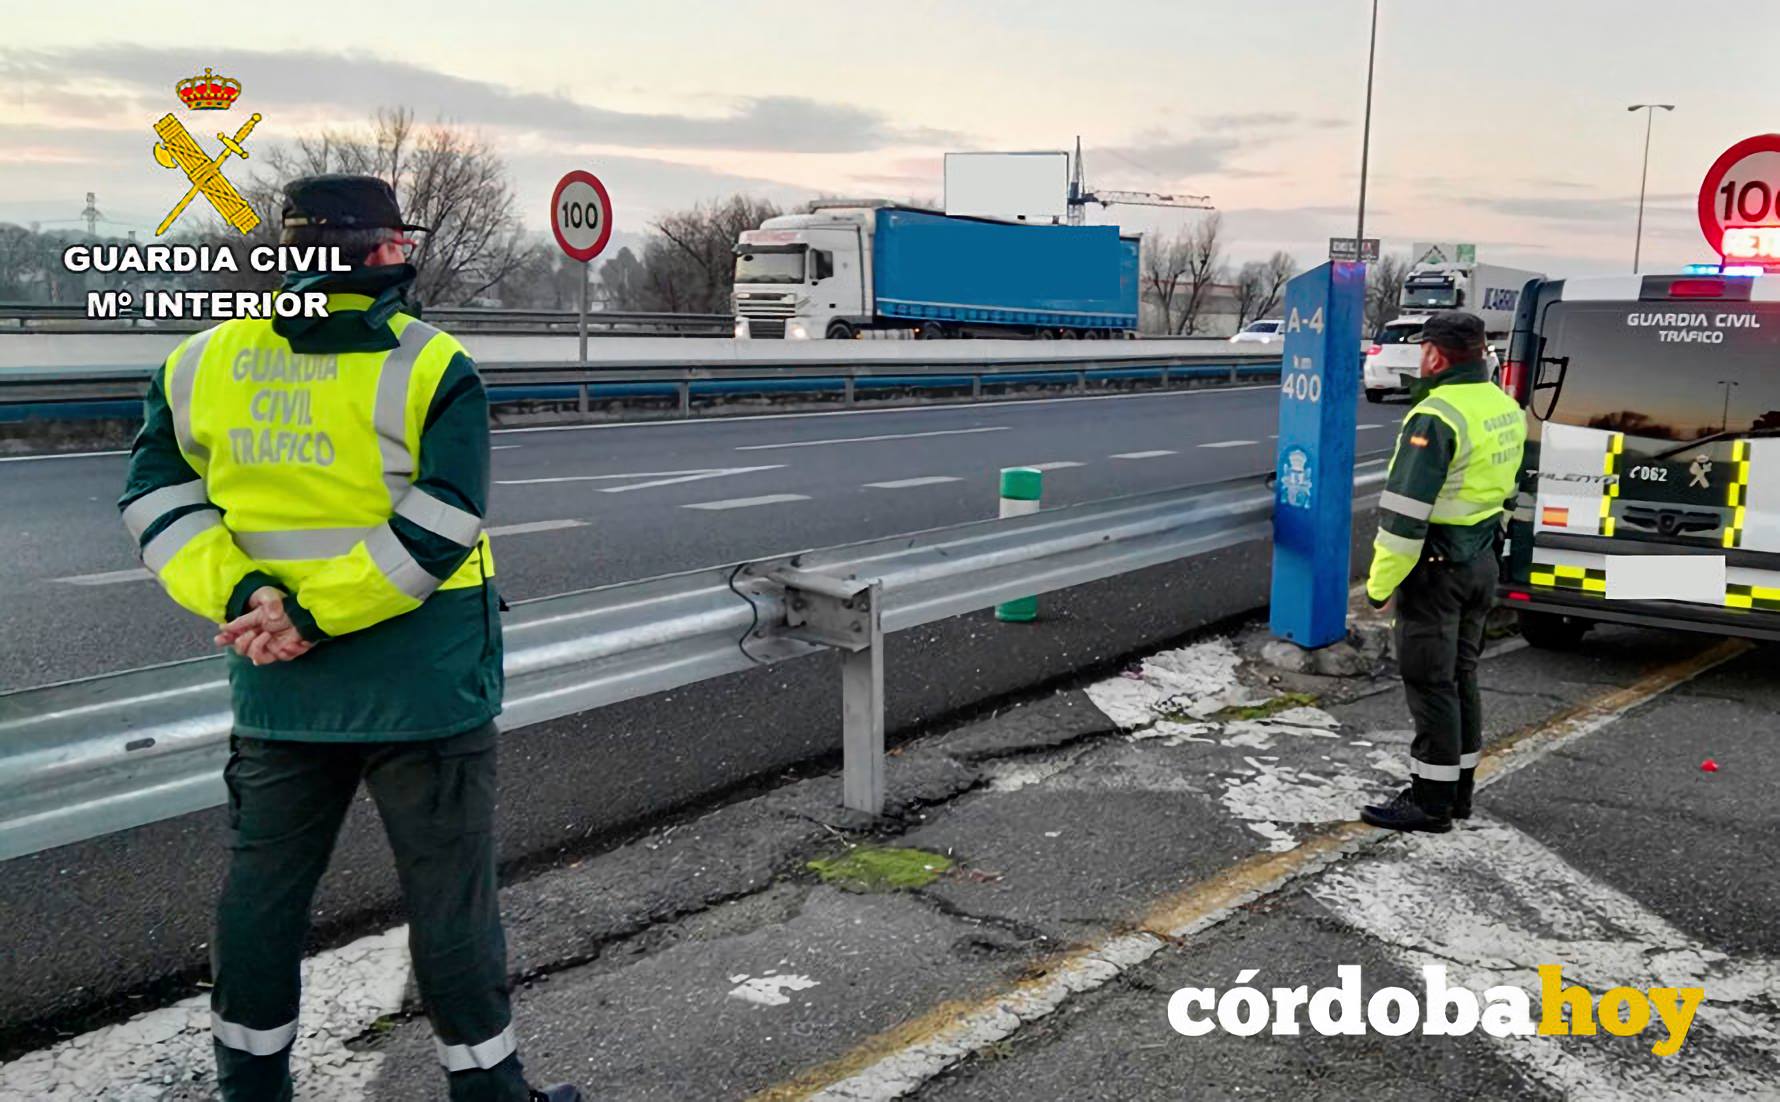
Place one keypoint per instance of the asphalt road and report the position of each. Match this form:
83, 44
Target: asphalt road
575, 507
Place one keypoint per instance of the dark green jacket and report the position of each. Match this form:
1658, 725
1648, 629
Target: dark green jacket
430, 673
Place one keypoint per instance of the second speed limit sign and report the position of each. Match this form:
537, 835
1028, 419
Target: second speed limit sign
581, 215
1740, 201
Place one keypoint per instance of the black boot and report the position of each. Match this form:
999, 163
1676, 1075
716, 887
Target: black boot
562, 1092
1461, 797
1423, 806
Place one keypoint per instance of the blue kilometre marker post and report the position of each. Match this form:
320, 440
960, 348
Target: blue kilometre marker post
1313, 502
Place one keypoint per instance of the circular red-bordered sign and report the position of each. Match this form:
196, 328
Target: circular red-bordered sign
581, 215
1741, 194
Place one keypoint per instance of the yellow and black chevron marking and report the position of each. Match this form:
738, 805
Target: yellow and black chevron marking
1752, 596
1615, 446
1586, 578
1736, 497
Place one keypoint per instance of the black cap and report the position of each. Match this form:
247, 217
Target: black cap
343, 202
1455, 332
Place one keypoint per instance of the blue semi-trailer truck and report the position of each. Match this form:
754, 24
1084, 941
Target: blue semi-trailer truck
850, 269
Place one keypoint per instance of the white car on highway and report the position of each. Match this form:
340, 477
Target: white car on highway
1261, 332
1395, 352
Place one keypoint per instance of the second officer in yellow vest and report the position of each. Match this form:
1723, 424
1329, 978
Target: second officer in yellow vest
1455, 468
317, 486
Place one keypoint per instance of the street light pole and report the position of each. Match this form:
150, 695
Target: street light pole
1366, 134
1724, 420
1649, 110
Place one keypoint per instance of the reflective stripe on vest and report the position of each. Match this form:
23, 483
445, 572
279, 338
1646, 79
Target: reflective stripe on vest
168, 542
180, 384
390, 415
141, 514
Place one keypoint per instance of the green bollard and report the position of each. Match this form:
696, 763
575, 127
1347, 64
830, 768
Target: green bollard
1020, 488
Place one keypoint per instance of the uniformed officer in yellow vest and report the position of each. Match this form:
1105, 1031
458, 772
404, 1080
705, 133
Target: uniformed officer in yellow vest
1454, 470
317, 487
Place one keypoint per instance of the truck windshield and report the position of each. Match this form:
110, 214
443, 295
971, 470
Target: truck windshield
1441, 293
1665, 370
777, 265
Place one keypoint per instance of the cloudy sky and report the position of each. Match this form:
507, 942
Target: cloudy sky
1501, 122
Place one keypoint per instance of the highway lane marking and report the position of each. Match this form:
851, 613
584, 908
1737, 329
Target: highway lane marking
59, 455
869, 439
952, 407
1156, 454
504, 447
906, 483
747, 502
137, 574
1363, 428
109, 577
530, 526
1229, 444
1054, 465
898, 1061
653, 478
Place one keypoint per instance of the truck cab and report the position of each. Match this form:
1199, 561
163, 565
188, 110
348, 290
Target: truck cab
806, 276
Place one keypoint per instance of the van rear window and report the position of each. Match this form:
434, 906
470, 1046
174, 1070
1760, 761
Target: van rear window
1664, 370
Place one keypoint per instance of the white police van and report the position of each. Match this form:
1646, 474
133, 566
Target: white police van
1651, 490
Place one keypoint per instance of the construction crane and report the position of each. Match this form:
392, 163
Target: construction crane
1080, 196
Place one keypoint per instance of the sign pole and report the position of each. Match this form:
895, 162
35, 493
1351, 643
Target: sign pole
1314, 503
584, 266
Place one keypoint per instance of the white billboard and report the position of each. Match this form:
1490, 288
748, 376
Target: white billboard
1019, 187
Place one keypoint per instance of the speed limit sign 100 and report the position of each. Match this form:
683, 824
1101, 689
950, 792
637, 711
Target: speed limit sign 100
1740, 201
581, 215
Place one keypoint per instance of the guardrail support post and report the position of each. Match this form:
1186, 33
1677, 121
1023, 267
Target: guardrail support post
847, 387
686, 398
976, 387
846, 613
862, 714
581, 404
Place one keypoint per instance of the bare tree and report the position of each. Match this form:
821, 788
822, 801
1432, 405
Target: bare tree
447, 178
1165, 260
1384, 289
1204, 268
701, 276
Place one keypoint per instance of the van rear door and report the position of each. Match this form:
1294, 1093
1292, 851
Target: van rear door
1658, 433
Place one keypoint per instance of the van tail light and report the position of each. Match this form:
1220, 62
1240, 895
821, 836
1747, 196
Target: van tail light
1697, 288
1517, 595
1513, 375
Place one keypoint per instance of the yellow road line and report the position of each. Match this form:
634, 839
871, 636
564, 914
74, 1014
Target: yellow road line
903, 1057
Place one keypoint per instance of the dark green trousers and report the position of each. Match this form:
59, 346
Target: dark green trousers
1441, 609
286, 803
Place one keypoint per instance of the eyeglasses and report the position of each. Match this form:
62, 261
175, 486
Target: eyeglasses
406, 244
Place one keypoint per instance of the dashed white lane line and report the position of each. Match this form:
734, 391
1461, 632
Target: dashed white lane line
869, 439
59, 455
747, 502
1363, 428
1155, 454
137, 574
530, 526
504, 447
1054, 465
907, 483
1229, 444
109, 577
651, 478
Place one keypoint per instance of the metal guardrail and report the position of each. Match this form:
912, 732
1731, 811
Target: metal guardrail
694, 373
86, 758
72, 317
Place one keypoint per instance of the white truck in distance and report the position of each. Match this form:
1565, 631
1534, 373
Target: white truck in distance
1488, 290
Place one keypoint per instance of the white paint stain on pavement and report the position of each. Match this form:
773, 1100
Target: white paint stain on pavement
166, 1054
1492, 904
768, 990
1193, 681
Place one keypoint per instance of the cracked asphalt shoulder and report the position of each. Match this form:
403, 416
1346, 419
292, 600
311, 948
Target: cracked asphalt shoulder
1095, 850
